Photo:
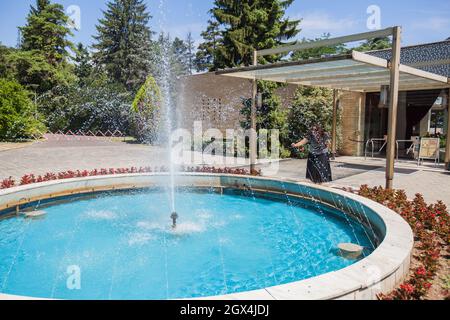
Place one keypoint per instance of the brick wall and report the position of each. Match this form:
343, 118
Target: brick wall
217, 100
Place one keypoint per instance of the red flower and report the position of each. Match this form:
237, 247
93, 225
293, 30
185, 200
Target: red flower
408, 288
7, 183
421, 271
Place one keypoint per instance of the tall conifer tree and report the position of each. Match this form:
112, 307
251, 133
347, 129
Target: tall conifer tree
123, 42
206, 53
47, 31
190, 54
250, 25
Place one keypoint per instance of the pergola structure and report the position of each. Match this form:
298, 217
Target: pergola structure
356, 71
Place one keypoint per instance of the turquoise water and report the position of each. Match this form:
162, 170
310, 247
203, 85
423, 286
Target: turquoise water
121, 246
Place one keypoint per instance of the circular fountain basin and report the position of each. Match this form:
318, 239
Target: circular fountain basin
237, 237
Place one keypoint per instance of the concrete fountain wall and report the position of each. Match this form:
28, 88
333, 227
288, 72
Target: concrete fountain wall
378, 273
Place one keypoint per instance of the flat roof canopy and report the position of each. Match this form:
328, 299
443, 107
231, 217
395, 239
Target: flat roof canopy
355, 71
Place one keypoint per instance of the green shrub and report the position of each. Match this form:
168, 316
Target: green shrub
311, 105
18, 114
145, 119
98, 106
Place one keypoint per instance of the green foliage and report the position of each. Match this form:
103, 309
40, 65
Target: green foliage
178, 56
318, 52
270, 115
311, 105
83, 67
250, 25
5, 71
190, 54
47, 31
18, 115
375, 44
31, 69
206, 53
146, 111
98, 105
123, 42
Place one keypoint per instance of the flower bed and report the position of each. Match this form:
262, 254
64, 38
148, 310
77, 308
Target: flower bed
31, 178
430, 224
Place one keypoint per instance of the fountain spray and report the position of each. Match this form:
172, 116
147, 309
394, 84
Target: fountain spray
165, 84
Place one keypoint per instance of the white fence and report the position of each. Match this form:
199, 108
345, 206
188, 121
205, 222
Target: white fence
78, 135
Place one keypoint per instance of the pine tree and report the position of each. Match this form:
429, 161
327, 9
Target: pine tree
123, 43
190, 55
206, 54
250, 25
178, 59
83, 67
47, 31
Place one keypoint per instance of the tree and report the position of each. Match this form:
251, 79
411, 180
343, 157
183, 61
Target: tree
375, 44
97, 105
318, 52
32, 70
270, 116
178, 57
206, 53
42, 62
311, 105
123, 42
5, 71
250, 25
47, 31
18, 114
190, 54
83, 66
146, 112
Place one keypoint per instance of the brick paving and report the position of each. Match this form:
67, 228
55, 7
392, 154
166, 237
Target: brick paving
62, 155
86, 154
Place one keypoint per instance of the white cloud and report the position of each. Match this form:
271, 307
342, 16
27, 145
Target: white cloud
314, 24
433, 24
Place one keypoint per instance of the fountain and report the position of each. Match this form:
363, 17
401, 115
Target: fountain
174, 217
256, 238
165, 80
273, 237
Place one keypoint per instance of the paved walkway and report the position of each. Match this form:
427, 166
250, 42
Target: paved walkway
57, 156
62, 155
433, 184
4, 146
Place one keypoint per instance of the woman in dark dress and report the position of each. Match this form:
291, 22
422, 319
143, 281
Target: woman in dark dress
318, 169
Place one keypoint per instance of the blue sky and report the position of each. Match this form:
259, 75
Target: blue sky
423, 21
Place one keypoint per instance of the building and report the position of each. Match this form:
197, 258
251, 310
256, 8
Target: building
217, 101
365, 118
